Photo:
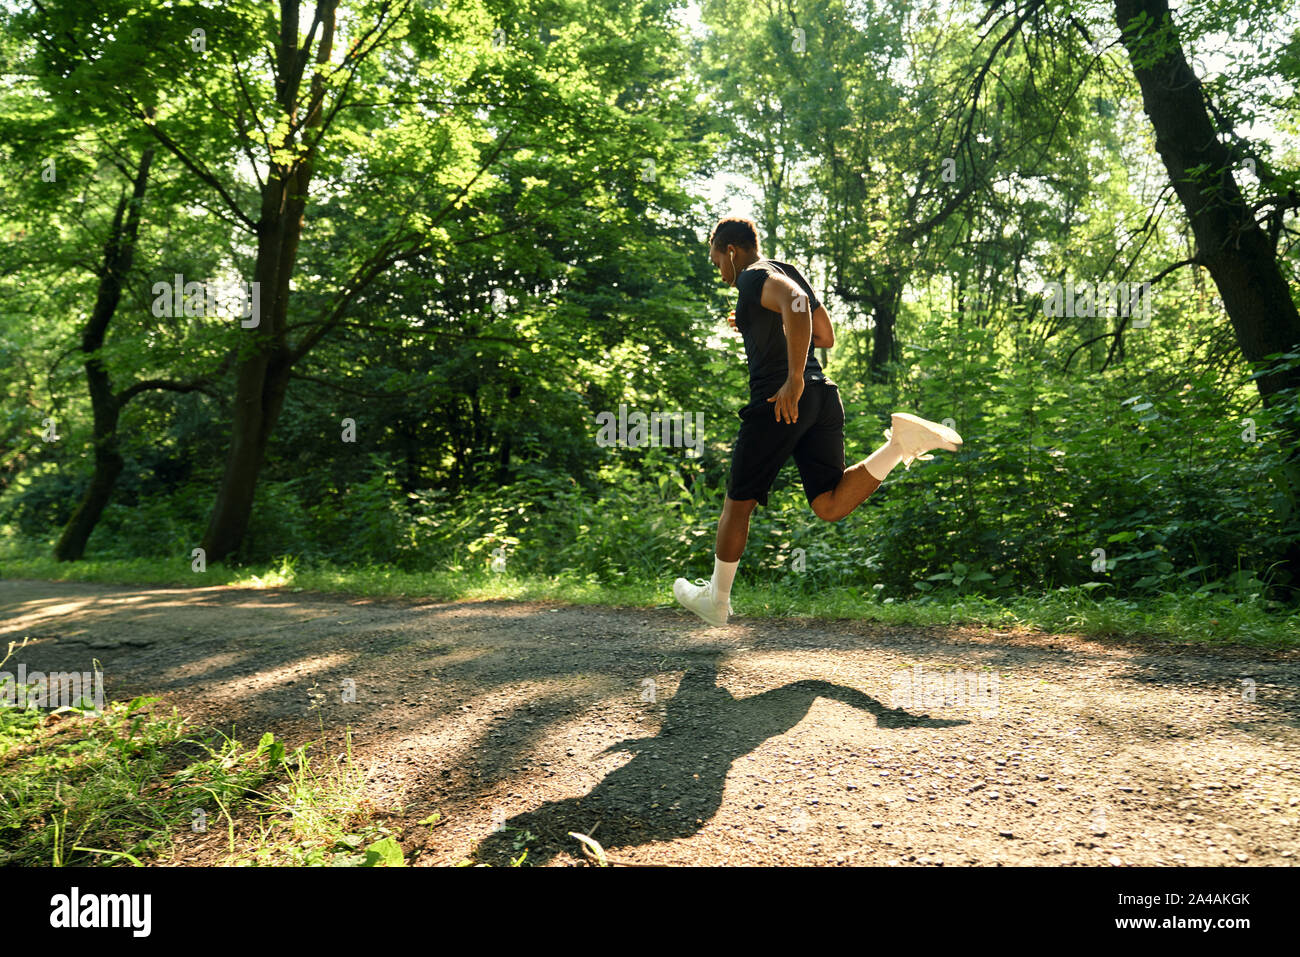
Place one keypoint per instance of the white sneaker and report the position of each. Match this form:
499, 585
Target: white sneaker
916, 436
699, 599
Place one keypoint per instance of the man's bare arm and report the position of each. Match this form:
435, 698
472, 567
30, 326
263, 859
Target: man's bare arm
783, 295
823, 335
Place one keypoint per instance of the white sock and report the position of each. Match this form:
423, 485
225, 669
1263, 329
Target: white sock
882, 461
724, 573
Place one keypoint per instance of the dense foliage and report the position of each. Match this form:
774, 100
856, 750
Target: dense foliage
503, 238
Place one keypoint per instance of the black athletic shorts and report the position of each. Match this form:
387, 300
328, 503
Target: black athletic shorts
816, 441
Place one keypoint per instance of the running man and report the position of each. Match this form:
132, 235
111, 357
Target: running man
793, 410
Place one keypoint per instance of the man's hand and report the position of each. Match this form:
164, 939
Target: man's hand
731, 321
787, 400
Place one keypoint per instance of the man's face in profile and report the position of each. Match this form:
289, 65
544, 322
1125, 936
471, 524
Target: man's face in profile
722, 258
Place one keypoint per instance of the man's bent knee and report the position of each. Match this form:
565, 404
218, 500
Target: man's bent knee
824, 507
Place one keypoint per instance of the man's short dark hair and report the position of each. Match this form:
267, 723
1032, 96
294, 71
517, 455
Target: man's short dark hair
734, 231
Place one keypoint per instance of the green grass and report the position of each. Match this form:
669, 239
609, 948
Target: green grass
76, 789
1209, 616
85, 789
318, 815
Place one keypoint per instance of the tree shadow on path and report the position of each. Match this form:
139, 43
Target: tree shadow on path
675, 780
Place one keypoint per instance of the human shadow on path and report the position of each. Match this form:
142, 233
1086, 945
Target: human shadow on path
675, 780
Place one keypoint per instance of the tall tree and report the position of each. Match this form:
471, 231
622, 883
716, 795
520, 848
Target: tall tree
1231, 244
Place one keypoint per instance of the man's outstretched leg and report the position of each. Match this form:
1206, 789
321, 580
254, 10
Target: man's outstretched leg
910, 437
711, 600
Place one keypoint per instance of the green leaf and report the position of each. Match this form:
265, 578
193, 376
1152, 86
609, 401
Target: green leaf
384, 853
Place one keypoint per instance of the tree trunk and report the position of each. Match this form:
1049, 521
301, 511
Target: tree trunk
884, 347
411, 460
503, 459
108, 466
259, 397
119, 254
263, 375
1238, 254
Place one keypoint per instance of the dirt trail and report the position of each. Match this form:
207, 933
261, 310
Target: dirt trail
763, 742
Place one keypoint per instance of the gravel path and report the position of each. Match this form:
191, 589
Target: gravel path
762, 742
